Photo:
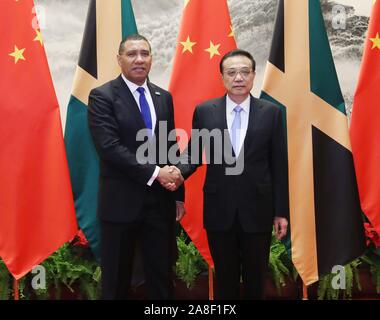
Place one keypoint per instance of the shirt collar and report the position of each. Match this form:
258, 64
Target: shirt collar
244, 105
133, 86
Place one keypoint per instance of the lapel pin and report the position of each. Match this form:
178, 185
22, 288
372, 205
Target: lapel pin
157, 93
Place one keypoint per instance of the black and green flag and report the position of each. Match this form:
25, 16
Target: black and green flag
325, 217
108, 22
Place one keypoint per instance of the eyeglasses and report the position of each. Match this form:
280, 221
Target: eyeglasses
232, 73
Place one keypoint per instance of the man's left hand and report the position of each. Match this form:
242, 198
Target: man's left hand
280, 227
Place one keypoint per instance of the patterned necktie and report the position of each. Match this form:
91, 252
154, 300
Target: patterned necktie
145, 110
235, 130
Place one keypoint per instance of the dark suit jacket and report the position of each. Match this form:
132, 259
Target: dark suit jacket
260, 192
114, 119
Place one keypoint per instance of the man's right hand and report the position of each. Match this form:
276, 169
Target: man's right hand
170, 177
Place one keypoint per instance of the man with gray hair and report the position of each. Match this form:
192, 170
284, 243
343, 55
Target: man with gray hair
242, 205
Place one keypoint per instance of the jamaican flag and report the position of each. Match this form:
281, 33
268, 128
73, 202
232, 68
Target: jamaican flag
325, 217
108, 22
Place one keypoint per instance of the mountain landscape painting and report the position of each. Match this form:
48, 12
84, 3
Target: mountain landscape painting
158, 20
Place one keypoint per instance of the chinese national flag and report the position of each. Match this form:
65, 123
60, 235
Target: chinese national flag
205, 35
36, 206
365, 123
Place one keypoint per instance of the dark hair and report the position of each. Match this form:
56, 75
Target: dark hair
234, 53
133, 37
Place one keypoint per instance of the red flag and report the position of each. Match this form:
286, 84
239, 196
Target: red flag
205, 36
365, 123
36, 205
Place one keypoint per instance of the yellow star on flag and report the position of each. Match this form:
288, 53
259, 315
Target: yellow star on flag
187, 45
186, 2
38, 37
232, 34
376, 41
213, 50
18, 54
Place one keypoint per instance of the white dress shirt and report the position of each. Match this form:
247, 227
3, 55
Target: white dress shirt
244, 116
133, 87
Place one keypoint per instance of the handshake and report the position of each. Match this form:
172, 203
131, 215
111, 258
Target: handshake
170, 177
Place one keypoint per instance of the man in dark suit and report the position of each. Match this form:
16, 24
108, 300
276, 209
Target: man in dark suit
133, 206
246, 186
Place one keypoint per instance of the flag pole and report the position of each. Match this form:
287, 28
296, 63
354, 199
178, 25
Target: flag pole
16, 292
210, 284
304, 293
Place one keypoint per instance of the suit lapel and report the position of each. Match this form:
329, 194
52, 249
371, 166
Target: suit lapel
129, 101
252, 122
220, 106
221, 117
157, 103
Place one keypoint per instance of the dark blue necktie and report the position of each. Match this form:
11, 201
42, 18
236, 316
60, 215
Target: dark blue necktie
145, 110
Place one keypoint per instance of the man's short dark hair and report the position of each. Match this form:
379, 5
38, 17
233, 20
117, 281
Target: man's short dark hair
132, 37
234, 53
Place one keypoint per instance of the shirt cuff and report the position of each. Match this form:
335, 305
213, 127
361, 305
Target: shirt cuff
154, 176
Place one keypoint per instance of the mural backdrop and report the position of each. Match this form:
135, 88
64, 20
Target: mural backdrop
159, 21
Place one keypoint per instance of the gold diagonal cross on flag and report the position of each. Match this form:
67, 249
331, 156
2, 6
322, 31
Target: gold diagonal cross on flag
109, 35
304, 109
